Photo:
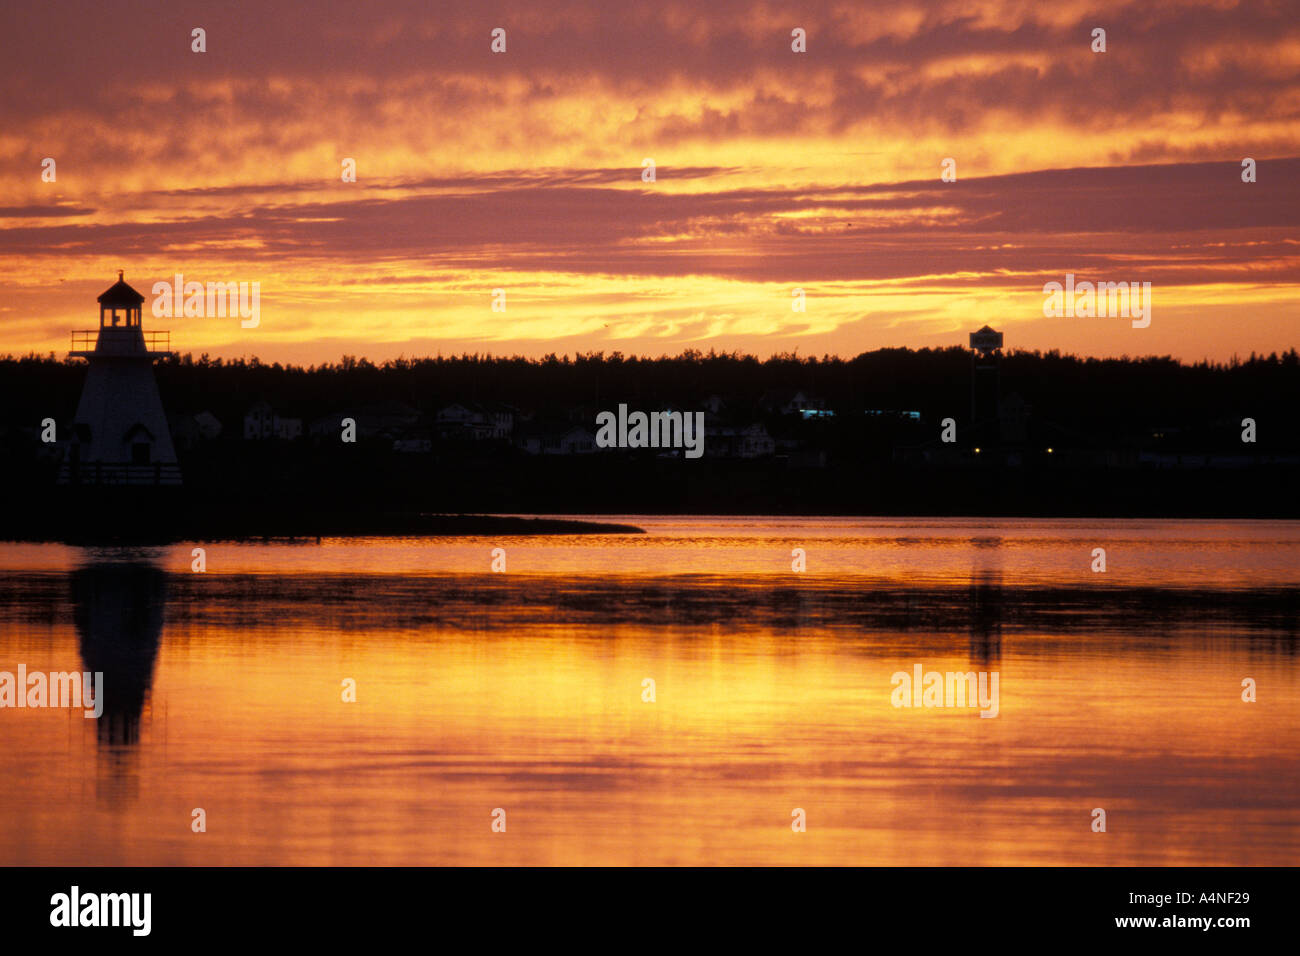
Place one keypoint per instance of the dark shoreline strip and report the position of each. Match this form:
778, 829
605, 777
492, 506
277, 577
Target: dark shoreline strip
110, 527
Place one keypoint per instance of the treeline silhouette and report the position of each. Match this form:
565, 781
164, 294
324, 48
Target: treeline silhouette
1111, 395
1100, 437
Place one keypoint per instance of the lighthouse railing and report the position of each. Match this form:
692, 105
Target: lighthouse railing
87, 340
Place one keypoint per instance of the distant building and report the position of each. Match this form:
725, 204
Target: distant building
208, 425
502, 419
327, 426
461, 422
261, 422
576, 441
188, 431
470, 421
387, 420
793, 402
556, 439
750, 441
414, 441
892, 413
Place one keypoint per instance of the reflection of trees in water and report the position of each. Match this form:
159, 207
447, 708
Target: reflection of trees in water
118, 610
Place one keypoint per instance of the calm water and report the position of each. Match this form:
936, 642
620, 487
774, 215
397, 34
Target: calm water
523, 691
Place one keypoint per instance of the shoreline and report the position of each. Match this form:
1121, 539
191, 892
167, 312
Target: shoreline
135, 519
128, 526
119, 527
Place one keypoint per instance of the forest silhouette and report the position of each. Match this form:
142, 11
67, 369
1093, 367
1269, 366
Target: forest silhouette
1062, 435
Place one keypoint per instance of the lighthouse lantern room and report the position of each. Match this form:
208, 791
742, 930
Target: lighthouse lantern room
120, 434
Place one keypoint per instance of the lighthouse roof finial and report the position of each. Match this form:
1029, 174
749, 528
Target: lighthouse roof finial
120, 295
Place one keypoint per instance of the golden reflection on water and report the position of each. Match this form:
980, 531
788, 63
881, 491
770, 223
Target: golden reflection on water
524, 692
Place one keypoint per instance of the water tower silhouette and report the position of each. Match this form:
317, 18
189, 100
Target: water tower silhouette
986, 354
120, 435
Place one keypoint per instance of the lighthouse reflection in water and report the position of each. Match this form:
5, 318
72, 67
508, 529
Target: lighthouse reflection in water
118, 610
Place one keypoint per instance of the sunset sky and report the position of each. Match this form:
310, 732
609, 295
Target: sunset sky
774, 170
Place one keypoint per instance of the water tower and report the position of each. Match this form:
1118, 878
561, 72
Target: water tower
986, 352
120, 435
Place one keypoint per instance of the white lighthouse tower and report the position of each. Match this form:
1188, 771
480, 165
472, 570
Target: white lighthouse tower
120, 435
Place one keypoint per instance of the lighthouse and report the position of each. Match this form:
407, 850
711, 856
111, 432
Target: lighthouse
120, 436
